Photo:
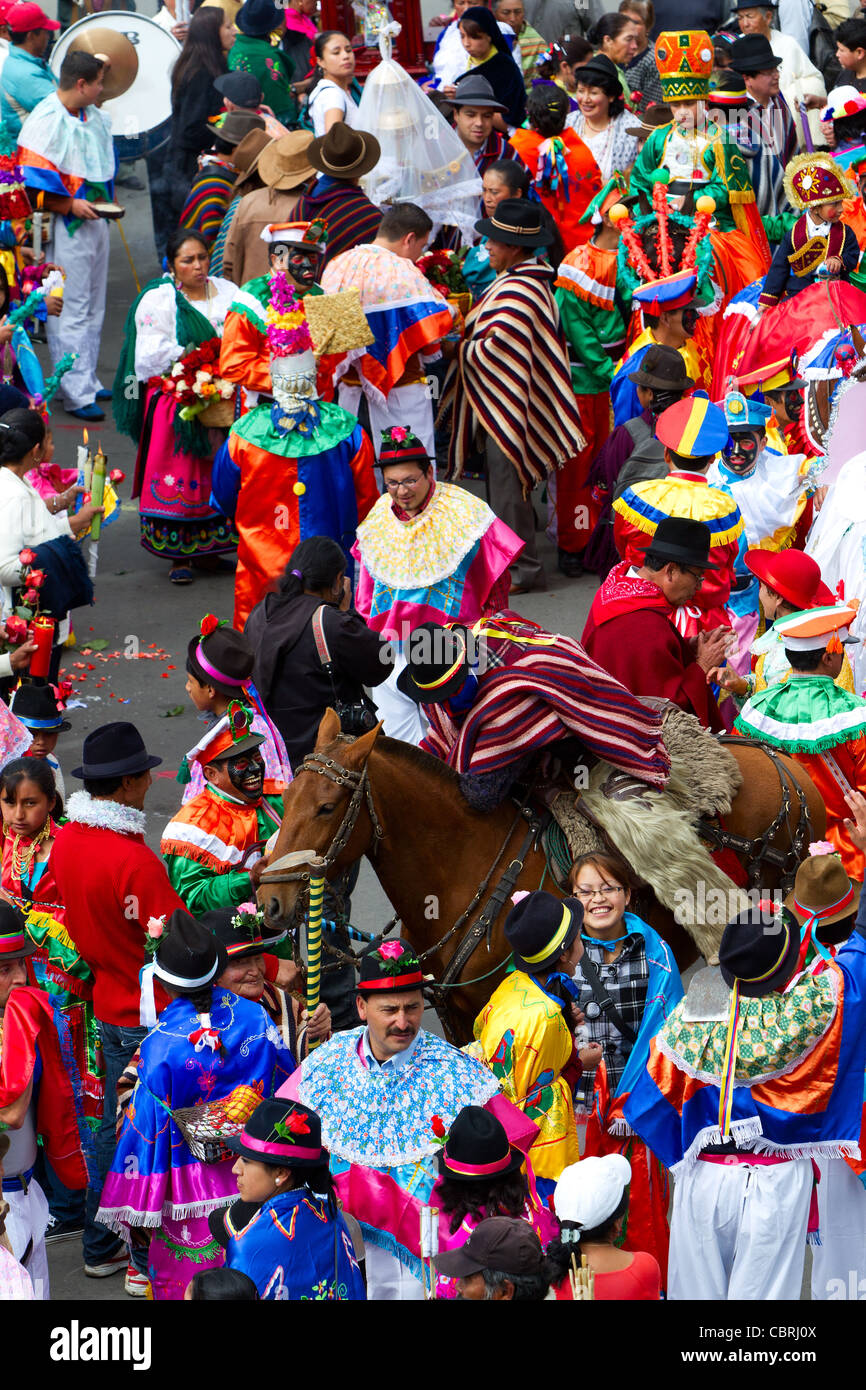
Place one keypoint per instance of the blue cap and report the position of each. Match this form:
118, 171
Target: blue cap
746, 412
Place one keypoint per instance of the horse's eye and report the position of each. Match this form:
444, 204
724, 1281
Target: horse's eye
326, 810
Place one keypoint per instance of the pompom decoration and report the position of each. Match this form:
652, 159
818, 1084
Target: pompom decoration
705, 205
660, 176
519, 895
288, 332
618, 213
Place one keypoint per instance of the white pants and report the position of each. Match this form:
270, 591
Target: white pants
84, 258
411, 406
402, 717
739, 1231
26, 1224
839, 1262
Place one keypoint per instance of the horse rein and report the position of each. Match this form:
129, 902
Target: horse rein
362, 793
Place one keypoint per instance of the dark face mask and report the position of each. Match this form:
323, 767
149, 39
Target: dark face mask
794, 404
303, 267
690, 320
247, 774
741, 452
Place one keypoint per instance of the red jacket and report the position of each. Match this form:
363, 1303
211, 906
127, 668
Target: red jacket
111, 884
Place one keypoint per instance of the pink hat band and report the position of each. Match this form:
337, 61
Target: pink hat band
478, 1169
287, 1151
212, 670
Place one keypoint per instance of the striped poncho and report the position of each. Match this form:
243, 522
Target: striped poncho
511, 377
537, 687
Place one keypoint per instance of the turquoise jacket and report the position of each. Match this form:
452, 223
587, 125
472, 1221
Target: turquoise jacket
26, 80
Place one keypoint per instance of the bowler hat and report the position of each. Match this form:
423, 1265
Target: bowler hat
258, 18
759, 951
753, 53
515, 222
540, 927
36, 706
791, 573
662, 368
389, 969
437, 663
681, 541
283, 1134
344, 153
114, 750
15, 944
241, 930
600, 71
473, 89
477, 1148
506, 1244
220, 654
188, 955
243, 88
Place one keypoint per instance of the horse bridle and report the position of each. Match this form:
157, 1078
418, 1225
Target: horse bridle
361, 794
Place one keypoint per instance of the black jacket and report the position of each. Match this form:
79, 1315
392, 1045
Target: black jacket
191, 135
295, 689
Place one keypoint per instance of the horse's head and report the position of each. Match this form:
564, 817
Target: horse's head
326, 812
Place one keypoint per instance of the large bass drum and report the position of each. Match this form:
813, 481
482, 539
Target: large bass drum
141, 115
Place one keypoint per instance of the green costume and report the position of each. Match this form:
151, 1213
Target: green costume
273, 70
728, 183
204, 844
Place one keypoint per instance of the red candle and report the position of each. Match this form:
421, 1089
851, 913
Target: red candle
42, 633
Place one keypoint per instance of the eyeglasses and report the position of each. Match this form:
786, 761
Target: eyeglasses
693, 574
405, 484
609, 890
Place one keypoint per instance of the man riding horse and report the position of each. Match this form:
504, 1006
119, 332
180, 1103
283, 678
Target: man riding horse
499, 692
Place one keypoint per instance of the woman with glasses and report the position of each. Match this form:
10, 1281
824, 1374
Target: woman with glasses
426, 552
626, 985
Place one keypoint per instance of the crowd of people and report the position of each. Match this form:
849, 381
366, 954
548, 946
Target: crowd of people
652, 321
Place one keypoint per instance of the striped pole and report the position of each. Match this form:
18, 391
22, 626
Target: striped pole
314, 945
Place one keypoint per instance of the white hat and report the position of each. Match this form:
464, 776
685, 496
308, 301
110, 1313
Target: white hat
816, 628
590, 1191
311, 235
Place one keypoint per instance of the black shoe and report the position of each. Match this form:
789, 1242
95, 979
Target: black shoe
63, 1230
570, 563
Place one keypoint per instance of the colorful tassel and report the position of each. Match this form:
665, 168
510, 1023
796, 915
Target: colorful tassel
726, 1091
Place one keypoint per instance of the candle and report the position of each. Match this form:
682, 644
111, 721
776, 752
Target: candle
42, 633
97, 491
37, 234
81, 466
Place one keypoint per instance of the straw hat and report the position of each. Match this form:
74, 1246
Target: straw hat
285, 163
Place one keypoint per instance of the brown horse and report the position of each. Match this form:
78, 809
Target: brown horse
379, 797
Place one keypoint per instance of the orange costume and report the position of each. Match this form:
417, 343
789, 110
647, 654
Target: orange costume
566, 179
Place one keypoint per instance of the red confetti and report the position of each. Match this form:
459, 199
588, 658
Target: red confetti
91, 668
172, 668
165, 675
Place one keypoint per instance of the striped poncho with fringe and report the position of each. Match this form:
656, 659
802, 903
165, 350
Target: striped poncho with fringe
511, 377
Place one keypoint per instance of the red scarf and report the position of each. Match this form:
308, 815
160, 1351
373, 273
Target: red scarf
623, 593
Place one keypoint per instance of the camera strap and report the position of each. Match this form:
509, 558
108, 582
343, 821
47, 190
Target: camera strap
322, 648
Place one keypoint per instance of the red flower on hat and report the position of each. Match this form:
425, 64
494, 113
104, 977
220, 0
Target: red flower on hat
209, 624
399, 433
297, 1123
438, 1127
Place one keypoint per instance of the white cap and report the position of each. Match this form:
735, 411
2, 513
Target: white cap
590, 1191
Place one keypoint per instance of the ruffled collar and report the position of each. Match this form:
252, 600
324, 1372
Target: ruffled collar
83, 809
427, 548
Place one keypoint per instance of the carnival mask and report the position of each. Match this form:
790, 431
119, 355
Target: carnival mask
247, 774
300, 263
741, 452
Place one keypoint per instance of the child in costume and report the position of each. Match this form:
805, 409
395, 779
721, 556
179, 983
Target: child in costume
296, 466
819, 244
219, 665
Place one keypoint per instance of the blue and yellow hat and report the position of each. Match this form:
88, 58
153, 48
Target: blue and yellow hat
669, 292
745, 412
693, 427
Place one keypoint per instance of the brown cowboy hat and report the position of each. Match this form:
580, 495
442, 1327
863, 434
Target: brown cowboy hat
285, 164
344, 153
246, 155
823, 887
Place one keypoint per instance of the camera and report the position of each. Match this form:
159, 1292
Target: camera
355, 718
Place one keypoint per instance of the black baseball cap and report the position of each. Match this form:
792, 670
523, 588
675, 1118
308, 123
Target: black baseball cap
503, 1243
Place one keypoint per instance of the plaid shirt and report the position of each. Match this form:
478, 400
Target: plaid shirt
625, 980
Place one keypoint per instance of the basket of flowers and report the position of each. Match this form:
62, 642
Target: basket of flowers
195, 385
444, 270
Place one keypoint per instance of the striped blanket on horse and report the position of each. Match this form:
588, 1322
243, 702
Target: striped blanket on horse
535, 687
511, 376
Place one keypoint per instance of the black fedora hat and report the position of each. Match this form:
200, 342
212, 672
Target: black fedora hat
188, 956
759, 950
15, 944
683, 542
437, 663
477, 1148
516, 222
220, 655
540, 927
752, 53
473, 89
600, 71
37, 708
242, 933
257, 18
664, 368
114, 750
344, 153
283, 1134
390, 968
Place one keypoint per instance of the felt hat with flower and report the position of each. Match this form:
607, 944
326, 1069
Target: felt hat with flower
390, 968
812, 179
400, 445
220, 654
282, 1134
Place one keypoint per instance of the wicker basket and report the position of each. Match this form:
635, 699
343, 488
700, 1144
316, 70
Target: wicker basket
219, 414
204, 1128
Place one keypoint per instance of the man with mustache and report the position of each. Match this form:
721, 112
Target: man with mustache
209, 845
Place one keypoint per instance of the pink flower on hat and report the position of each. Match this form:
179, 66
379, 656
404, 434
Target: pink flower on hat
399, 433
155, 927
390, 950
519, 896
822, 847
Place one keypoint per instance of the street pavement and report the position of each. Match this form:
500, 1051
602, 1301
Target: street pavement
146, 624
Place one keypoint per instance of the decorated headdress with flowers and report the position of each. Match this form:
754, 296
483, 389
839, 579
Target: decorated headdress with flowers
393, 966
312, 236
811, 179
226, 736
400, 445
293, 361
661, 250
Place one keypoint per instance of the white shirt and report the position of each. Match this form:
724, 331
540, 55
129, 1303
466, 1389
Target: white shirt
327, 96
24, 521
156, 345
396, 1062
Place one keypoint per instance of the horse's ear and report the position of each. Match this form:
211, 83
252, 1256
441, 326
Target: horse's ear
329, 729
362, 747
